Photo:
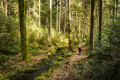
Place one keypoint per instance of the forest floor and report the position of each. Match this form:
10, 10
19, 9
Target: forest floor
14, 64
68, 69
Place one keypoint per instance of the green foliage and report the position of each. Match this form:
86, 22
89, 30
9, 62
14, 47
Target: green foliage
3, 58
48, 73
40, 78
68, 54
59, 58
56, 64
104, 61
9, 35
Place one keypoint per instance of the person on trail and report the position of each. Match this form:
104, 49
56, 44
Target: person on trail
80, 48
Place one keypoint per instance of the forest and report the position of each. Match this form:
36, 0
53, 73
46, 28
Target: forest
59, 39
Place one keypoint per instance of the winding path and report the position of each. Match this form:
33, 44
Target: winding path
63, 73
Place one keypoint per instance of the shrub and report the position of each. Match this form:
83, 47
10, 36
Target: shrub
104, 62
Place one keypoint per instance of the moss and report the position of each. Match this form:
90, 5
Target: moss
57, 64
40, 78
24, 41
59, 58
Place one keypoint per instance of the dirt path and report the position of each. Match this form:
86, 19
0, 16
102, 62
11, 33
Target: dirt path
63, 73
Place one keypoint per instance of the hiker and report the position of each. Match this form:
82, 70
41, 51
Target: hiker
80, 48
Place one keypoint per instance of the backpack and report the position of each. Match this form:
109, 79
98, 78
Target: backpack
80, 46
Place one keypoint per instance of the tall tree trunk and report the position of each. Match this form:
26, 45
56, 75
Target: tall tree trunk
6, 7
50, 21
34, 8
116, 7
39, 14
69, 25
65, 23
28, 12
60, 17
113, 9
100, 19
79, 31
24, 42
92, 24
2, 6
57, 16
65, 16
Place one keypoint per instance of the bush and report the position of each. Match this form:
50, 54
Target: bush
105, 63
68, 54
9, 37
3, 58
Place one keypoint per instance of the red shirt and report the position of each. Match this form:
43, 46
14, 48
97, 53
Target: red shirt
81, 46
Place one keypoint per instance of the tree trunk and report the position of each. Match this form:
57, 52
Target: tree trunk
92, 24
113, 9
2, 7
79, 32
100, 19
50, 21
57, 17
65, 16
69, 25
6, 7
34, 8
39, 14
24, 42
60, 17
28, 12
116, 7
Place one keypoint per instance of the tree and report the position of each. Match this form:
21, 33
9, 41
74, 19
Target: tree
2, 6
5, 7
92, 24
50, 21
65, 20
100, 19
57, 17
34, 8
69, 25
39, 14
60, 16
24, 42
113, 9
116, 7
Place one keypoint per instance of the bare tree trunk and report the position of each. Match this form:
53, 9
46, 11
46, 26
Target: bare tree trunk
6, 7
65, 17
2, 7
39, 14
116, 7
57, 16
113, 9
69, 27
100, 19
34, 8
79, 31
28, 12
65, 24
92, 24
24, 42
50, 21
60, 17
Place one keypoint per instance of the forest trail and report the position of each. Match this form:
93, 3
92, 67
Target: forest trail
63, 73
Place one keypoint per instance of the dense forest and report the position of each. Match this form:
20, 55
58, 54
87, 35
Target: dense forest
41, 39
